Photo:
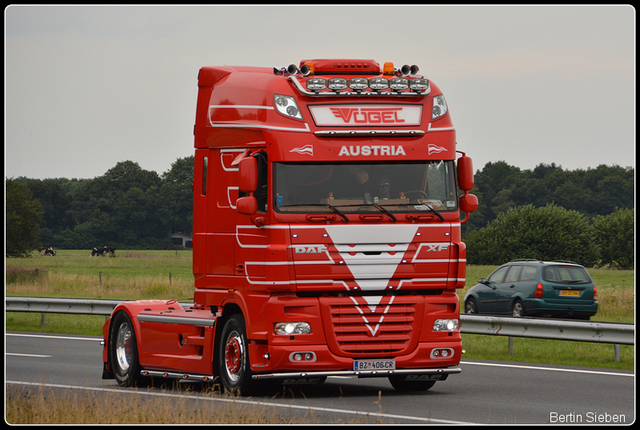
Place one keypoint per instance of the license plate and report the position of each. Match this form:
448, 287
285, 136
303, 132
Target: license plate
374, 364
569, 293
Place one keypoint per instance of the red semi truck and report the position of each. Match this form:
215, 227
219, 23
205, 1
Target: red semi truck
326, 234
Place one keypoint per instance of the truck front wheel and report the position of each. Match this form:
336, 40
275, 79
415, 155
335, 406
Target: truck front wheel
123, 350
233, 359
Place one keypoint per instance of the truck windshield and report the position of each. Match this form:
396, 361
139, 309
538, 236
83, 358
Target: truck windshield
365, 187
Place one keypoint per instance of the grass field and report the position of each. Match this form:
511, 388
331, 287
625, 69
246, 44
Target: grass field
133, 275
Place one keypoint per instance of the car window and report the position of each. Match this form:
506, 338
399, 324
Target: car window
498, 275
566, 275
514, 274
528, 273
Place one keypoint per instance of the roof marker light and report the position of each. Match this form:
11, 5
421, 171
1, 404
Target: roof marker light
388, 69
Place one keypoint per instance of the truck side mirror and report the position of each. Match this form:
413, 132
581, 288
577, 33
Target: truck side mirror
468, 202
248, 175
247, 205
247, 182
465, 173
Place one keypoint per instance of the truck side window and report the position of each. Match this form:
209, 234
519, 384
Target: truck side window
204, 175
263, 181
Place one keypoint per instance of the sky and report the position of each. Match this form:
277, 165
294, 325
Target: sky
87, 87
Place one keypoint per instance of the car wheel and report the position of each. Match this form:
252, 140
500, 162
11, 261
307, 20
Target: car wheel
233, 357
123, 351
470, 306
518, 309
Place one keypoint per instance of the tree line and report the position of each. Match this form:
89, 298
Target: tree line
132, 208
549, 213
127, 207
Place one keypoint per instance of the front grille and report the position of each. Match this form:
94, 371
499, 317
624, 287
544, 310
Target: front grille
357, 330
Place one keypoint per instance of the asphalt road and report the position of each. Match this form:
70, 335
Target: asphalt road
486, 392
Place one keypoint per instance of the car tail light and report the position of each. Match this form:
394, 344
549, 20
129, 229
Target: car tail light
595, 293
538, 293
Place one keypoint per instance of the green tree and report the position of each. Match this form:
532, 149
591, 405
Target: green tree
22, 219
176, 194
493, 178
615, 237
547, 233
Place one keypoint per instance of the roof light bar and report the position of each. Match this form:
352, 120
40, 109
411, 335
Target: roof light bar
391, 82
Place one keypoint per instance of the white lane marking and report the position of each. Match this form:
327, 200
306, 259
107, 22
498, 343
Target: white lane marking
14, 354
240, 401
519, 366
44, 336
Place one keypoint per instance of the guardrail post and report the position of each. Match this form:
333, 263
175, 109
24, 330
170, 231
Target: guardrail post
510, 345
616, 349
42, 319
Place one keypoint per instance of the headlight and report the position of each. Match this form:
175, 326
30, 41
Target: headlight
358, 83
378, 83
398, 84
337, 83
419, 84
287, 106
291, 328
316, 84
446, 325
439, 106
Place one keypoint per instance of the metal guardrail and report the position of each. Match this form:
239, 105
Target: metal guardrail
540, 328
60, 306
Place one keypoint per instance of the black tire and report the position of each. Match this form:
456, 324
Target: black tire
470, 306
233, 357
123, 351
408, 383
518, 310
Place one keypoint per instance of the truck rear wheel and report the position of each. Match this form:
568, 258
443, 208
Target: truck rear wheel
233, 359
123, 350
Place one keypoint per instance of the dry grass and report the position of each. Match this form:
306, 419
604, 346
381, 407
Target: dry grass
40, 405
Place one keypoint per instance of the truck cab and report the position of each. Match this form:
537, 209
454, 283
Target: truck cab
328, 201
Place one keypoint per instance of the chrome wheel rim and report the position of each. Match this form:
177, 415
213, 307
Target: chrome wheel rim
124, 347
233, 356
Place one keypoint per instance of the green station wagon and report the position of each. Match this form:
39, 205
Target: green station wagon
535, 288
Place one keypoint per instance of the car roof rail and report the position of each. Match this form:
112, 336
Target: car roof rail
525, 259
565, 261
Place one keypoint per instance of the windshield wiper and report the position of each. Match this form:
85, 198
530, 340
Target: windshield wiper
435, 212
337, 211
377, 206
